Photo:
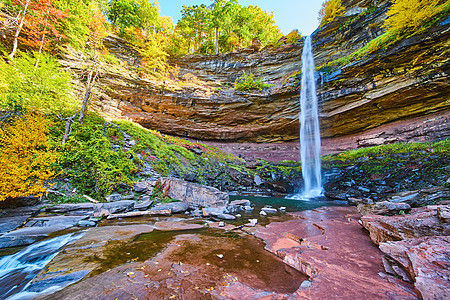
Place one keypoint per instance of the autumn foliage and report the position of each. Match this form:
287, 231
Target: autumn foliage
41, 23
25, 157
415, 16
330, 10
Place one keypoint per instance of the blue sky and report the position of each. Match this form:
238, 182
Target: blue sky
289, 14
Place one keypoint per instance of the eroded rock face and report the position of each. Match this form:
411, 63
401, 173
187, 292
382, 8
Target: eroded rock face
425, 260
380, 99
421, 222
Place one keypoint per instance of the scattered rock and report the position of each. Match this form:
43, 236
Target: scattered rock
278, 186
243, 202
444, 213
145, 186
358, 201
383, 208
11, 223
86, 223
222, 216
258, 180
283, 208
269, 210
207, 211
263, 213
221, 224
305, 284
128, 197
252, 223
248, 208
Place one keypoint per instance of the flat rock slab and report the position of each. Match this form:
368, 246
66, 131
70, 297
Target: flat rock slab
27, 235
50, 221
11, 223
330, 246
74, 209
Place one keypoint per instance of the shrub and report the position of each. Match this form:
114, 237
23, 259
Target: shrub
248, 82
90, 162
26, 159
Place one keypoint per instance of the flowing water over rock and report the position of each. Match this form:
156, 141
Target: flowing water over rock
309, 127
17, 270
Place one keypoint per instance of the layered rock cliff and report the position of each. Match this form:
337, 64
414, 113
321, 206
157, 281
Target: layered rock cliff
400, 94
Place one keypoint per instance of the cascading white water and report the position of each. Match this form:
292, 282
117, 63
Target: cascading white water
17, 270
309, 127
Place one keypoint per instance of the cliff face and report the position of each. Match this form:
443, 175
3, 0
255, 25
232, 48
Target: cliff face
400, 94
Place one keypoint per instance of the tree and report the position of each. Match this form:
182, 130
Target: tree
46, 88
221, 16
415, 16
330, 10
22, 15
25, 157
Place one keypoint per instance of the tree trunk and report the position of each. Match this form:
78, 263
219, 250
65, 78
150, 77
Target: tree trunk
89, 85
69, 122
217, 40
19, 28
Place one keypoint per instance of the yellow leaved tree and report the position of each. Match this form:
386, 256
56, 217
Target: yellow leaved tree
415, 16
330, 10
25, 157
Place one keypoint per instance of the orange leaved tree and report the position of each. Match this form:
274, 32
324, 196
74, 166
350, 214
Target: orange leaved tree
25, 157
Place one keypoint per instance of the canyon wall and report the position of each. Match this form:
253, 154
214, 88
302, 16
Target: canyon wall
394, 95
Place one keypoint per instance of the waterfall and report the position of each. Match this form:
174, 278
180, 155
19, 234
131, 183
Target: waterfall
18, 270
309, 127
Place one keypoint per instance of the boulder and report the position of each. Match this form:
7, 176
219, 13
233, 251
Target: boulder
114, 197
106, 209
383, 208
174, 207
145, 186
208, 211
421, 222
222, 216
195, 195
278, 186
143, 205
269, 210
444, 213
425, 260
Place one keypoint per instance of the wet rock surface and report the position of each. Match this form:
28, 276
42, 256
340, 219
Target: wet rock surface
328, 245
416, 247
191, 265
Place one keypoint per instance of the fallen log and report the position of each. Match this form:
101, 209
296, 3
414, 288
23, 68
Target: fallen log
90, 199
161, 212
